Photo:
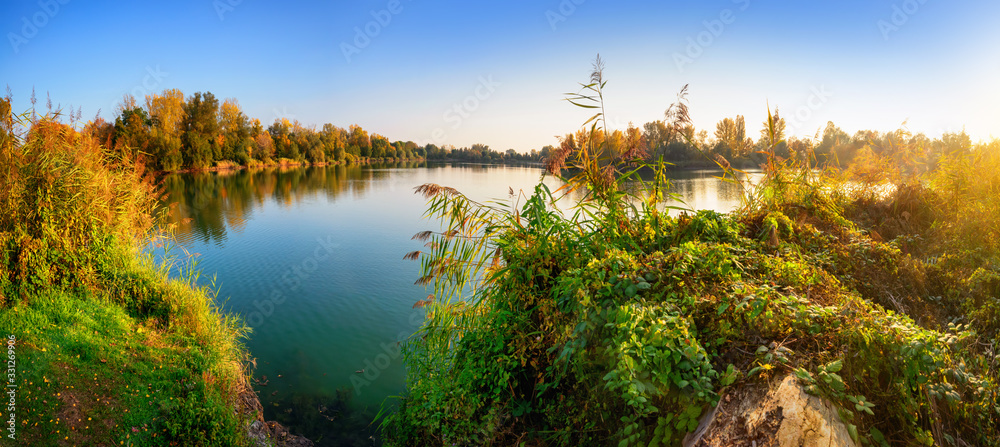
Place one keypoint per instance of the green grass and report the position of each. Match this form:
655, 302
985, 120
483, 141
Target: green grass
90, 373
94, 371
109, 351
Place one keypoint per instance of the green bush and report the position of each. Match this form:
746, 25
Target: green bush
621, 325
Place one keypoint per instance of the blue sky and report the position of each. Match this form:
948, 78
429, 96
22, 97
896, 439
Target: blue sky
494, 72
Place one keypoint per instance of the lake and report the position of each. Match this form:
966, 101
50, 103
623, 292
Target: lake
312, 259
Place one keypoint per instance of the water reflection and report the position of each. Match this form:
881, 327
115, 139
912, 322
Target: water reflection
204, 207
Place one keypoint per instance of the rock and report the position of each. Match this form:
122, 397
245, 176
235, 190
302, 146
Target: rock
785, 416
270, 433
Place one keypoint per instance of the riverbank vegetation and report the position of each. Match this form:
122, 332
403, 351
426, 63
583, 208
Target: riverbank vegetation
108, 349
619, 321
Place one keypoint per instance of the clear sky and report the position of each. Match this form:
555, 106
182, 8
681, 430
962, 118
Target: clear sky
493, 72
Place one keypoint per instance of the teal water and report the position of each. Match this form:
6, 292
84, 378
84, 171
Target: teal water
312, 260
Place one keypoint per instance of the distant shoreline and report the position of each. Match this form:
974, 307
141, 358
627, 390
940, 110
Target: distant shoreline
223, 167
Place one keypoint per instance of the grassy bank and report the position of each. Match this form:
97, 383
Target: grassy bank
615, 323
109, 351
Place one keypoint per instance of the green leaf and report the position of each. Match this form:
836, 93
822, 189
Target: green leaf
804, 375
631, 290
729, 376
591, 118
835, 365
723, 307
878, 437
582, 105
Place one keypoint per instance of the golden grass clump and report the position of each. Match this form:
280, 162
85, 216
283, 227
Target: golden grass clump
64, 199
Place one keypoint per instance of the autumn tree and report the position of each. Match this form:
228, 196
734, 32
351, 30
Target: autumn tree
334, 142
166, 113
282, 134
956, 142
657, 137
235, 129
263, 148
635, 145
127, 103
833, 137
132, 129
166, 110
101, 131
310, 144
731, 136
358, 138
799, 149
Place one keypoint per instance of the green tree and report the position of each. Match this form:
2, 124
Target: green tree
358, 137
410, 149
132, 130
235, 128
166, 151
201, 129
198, 153
380, 146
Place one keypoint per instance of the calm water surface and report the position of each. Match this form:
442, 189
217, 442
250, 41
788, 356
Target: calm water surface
312, 260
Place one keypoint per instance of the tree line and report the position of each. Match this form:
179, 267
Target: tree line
172, 132
675, 139
679, 142
198, 132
